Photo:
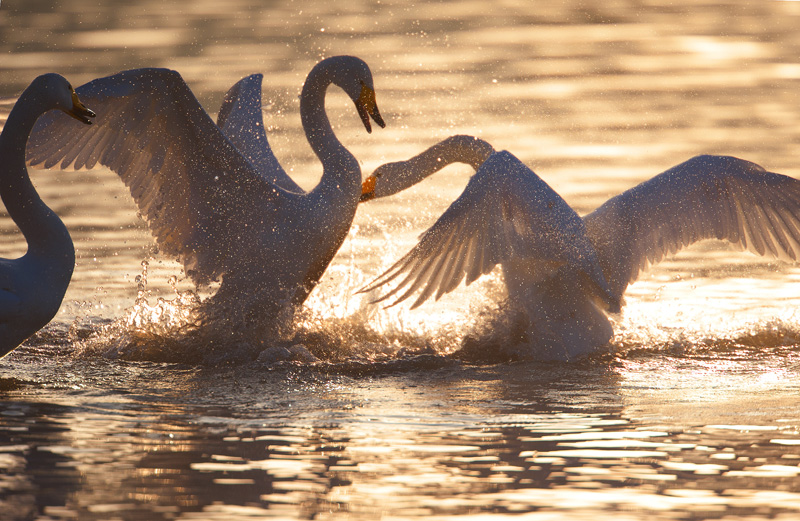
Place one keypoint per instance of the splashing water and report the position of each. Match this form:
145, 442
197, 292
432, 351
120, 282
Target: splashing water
336, 326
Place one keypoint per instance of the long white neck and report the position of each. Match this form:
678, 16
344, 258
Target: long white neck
341, 174
396, 177
42, 228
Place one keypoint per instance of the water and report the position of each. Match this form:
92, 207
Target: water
695, 417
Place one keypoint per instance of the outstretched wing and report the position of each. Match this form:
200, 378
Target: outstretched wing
707, 197
506, 213
242, 121
189, 181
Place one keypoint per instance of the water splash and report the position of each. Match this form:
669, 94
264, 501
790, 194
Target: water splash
337, 326
185, 328
167, 314
145, 331
636, 337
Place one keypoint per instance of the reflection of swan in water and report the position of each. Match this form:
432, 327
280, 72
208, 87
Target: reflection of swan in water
215, 196
32, 287
508, 216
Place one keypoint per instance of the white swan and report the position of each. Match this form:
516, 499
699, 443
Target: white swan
508, 216
32, 287
214, 195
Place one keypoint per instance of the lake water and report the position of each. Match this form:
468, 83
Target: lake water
696, 416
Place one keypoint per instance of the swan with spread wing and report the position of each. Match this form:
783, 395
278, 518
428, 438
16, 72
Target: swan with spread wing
33, 286
566, 275
214, 195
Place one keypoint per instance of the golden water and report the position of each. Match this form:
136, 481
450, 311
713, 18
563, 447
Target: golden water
697, 417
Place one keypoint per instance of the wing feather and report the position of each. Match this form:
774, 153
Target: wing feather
242, 121
455, 271
707, 197
191, 184
505, 213
443, 263
478, 267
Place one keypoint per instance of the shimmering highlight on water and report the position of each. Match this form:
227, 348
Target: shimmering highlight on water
107, 414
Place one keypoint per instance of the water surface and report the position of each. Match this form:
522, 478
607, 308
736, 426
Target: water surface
696, 416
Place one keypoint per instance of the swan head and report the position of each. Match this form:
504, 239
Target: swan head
59, 94
353, 76
391, 178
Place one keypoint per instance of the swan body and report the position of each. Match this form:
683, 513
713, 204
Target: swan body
33, 286
213, 194
564, 302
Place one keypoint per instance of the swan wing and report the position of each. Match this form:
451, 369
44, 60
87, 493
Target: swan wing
506, 213
707, 197
191, 184
242, 121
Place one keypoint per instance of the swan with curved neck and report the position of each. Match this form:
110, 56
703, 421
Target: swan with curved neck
213, 194
396, 177
500, 219
33, 286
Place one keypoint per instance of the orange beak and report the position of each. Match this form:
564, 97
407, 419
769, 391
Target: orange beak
368, 188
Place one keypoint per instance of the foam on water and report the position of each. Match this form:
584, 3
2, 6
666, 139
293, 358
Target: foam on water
337, 326
595, 97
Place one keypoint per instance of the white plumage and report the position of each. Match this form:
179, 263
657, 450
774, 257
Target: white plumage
213, 194
565, 273
33, 286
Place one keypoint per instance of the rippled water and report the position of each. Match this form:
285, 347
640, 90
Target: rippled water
695, 417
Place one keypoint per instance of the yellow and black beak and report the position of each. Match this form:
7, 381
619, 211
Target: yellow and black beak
368, 188
367, 107
79, 111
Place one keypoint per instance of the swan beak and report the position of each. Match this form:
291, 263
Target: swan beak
79, 110
368, 188
367, 107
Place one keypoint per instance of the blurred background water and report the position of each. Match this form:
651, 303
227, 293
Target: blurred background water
695, 417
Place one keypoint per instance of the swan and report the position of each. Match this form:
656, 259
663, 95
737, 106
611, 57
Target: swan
33, 286
214, 195
507, 215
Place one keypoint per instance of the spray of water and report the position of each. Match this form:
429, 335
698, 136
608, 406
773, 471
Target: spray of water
337, 326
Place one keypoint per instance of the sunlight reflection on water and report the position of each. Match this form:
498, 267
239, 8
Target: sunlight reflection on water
695, 418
